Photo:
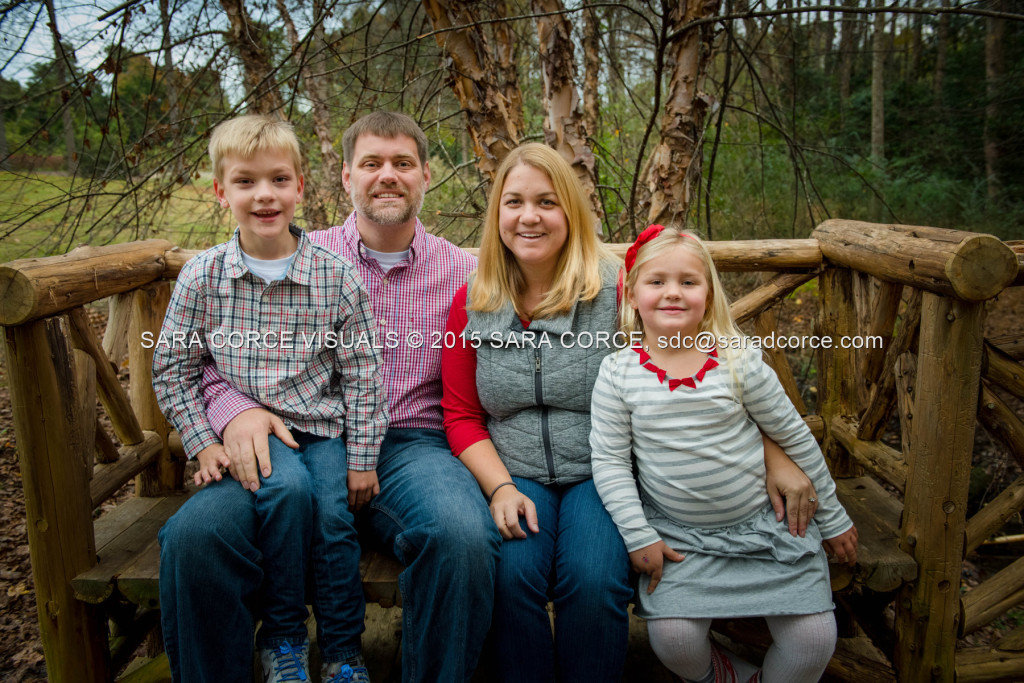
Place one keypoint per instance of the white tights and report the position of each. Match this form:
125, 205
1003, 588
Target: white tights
801, 648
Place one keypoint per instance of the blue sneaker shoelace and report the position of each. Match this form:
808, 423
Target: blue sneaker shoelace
288, 664
350, 674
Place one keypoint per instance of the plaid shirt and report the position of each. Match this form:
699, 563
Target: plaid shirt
410, 304
273, 343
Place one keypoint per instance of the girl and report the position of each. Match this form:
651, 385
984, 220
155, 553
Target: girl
687, 403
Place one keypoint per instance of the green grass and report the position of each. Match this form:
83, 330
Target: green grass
44, 214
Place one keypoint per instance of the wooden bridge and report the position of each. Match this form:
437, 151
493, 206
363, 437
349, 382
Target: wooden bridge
921, 289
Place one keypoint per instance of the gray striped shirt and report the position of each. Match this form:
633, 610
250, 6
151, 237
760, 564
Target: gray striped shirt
698, 450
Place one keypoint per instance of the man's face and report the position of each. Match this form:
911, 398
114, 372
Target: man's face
386, 179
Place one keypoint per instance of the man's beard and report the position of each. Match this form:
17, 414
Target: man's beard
395, 215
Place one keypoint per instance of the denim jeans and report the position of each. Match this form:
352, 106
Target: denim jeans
579, 561
430, 513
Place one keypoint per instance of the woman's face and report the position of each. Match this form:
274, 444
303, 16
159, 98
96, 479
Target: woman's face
531, 221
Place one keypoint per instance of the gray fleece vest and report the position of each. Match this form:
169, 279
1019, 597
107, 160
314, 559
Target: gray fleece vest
535, 384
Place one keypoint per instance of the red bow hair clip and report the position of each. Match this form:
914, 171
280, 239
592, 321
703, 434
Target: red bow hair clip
646, 236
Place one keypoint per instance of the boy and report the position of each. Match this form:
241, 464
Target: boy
281, 319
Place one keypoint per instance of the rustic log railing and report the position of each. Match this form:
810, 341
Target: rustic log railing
919, 289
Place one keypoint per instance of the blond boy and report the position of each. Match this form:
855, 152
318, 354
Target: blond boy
278, 318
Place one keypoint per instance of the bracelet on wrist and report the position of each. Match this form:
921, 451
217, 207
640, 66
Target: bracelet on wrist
507, 483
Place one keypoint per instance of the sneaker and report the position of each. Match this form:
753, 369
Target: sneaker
285, 663
353, 671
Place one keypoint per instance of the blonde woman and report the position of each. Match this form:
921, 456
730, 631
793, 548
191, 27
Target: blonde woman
536, 320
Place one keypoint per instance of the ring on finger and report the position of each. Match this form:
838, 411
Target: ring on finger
812, 500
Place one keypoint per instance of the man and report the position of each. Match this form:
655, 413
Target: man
429, 511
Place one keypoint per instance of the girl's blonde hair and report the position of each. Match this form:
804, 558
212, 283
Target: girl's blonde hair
577, 274
717, 318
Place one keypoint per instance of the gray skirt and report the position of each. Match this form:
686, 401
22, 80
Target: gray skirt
751, 569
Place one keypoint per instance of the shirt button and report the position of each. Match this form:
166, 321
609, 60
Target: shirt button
383, 323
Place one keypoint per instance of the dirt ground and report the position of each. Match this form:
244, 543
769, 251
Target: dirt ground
21, 652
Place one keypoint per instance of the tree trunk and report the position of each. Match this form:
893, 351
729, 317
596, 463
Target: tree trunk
314, 209
995, 69
262, 92
915, 43
62, 68
563, 124
473, 78
878, 102
675, 165
508, 76
591, 68
846, 44
878, 87
171, 77
4, 162
941, 44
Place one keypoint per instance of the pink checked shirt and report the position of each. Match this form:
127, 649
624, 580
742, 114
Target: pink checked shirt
271, 341
410, 305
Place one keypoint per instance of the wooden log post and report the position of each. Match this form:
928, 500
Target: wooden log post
148, 307
935, 501
966, 265
35, 288
115, 336
119, 410
836, 366
750, 256
764, 325
906, 376
57, 504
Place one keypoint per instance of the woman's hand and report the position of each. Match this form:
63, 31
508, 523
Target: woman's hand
650, 560
843, 547
507, 506
791, 492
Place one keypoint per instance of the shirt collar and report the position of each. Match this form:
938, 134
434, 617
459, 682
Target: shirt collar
300, 270
354, 244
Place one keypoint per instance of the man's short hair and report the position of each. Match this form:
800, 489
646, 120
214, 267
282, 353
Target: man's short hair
384, 124
246, 136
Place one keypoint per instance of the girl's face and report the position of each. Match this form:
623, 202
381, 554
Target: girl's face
531, 221
671, 293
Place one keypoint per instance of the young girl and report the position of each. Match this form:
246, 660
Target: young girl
687, 403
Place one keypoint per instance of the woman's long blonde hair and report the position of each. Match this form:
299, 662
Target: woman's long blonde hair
717, 318
499, 278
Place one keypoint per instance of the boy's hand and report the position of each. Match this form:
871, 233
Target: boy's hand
362, 486
245, 440
843, 547
651, 559
210, 460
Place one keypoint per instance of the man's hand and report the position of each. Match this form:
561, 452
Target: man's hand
245, 440
507, 506
362, 486
651, 560
210, 460
843, 547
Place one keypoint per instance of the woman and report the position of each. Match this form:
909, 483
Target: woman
517, 414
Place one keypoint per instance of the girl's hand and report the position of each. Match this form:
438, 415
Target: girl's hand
843, 547
507, 506
651, 559
211, 459
792, 495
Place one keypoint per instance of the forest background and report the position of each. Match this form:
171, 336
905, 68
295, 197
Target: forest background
744, 118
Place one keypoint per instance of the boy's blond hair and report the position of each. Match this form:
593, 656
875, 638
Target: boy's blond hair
577, 272
246, 136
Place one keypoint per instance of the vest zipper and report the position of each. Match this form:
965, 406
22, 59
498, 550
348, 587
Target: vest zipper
544, 429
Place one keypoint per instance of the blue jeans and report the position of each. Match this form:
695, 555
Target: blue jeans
431, 515
429, 511
578, 560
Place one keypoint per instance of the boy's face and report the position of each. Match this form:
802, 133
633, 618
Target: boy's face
261, 192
